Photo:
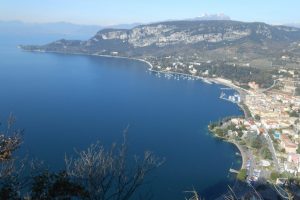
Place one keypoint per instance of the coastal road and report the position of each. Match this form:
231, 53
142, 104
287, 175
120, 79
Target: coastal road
269, 88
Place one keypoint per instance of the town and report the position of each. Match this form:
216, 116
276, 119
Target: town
268, 137
268, 134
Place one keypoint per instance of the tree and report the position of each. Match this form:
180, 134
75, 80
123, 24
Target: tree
56, 186
219, 132
274, 175
266, 153
11, 169
294, 113
257, 117
256, 143
107, 174
298, 149
297, 92
10, 139
96, 173
242, 175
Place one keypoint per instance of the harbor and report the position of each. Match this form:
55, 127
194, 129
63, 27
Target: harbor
177, 76
235, 98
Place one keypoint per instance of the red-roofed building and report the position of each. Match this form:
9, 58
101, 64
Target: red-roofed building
287, 144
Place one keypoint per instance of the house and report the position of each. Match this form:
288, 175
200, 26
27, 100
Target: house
193, 71
294, 158
252, 126
253, 85
288, 132
292, 165
237, 121
287, 144
270, 124
262, 131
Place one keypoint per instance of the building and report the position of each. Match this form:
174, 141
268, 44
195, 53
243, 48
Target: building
253, 85
287, 144
292, 165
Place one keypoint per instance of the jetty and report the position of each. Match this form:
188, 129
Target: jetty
226, 88
236, 98
233, 171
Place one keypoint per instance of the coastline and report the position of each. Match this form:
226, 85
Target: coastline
220, 81
229, 84
86, 54
238, 146
242, 153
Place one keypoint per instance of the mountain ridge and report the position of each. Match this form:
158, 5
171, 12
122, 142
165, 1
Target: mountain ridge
170, 33
256, 43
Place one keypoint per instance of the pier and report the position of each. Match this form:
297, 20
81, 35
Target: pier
232, 98
233, 171
226, 88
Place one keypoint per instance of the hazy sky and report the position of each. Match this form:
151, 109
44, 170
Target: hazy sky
107, 12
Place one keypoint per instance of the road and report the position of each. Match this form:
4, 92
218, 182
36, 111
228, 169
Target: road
269, 88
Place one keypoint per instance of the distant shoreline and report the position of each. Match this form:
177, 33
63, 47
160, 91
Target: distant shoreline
220, 81
86, 54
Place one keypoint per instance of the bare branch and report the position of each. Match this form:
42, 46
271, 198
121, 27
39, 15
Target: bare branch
107, 174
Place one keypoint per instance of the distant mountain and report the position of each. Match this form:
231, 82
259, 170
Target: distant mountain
238, 51
124, 26
204, 17
58, 28
296, 25
255, 40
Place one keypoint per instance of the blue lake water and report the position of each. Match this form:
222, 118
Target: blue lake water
65, 102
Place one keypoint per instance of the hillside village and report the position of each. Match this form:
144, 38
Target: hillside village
269, 137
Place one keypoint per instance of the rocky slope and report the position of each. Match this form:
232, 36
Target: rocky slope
181, 37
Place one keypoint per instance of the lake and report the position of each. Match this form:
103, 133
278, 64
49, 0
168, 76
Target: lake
67, 102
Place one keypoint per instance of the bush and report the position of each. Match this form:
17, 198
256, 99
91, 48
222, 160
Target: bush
274, 176
96, 173
266, 153
256, 143
257, 117
298, 91
219, 132
298, 149
242, 175
294, 113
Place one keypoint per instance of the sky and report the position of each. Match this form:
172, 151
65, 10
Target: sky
111, 12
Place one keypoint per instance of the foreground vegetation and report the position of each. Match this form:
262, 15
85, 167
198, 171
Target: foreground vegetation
96, 173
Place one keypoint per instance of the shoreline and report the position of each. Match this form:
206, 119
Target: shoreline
237, 145
219, 81
86, 54
242, 153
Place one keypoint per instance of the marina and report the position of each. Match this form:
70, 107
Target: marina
177, 76
235, 98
